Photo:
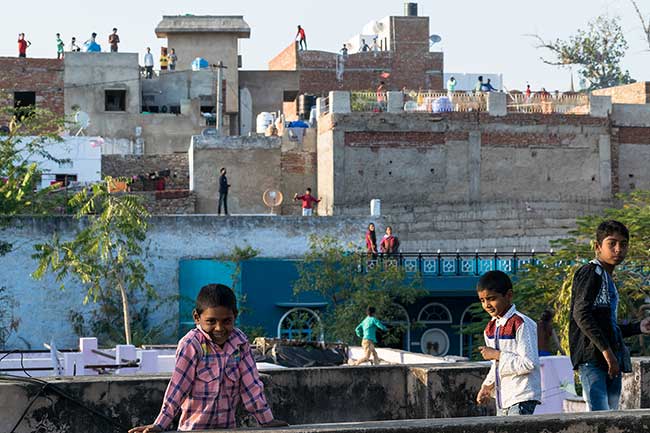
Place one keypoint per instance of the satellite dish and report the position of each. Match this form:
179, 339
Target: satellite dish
82, 119
210, 132
435, 342
377, 27
272, 198
434, 39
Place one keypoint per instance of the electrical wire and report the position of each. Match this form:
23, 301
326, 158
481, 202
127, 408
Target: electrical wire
45, 386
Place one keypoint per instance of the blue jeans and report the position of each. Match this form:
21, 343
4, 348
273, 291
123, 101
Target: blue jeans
599, 390
521, 408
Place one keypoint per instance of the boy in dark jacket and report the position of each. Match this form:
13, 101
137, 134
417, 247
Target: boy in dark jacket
224, 186
595, 338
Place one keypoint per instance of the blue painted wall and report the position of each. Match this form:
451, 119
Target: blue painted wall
266, 288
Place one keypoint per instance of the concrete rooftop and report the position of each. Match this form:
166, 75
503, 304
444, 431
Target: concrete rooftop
203, 24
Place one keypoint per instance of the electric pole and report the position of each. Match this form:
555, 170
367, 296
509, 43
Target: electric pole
219, 108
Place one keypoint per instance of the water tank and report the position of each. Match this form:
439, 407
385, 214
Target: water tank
410, 9
305, 102
264, 119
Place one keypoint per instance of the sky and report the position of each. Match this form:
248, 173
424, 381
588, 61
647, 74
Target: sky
477, 36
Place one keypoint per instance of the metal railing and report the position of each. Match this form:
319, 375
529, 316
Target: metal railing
436, 102
549, 103
368, 101
443, 264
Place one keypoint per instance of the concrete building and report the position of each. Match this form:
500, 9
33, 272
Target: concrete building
403, 61
213, 38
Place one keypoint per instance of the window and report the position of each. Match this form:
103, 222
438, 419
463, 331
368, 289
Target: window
434, 313
24, 103
115, 100
300, 324
64, 179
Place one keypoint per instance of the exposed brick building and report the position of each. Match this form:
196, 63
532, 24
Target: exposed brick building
405, 56
25, 81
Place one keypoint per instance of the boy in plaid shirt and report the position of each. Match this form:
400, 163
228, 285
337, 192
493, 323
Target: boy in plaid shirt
215, 370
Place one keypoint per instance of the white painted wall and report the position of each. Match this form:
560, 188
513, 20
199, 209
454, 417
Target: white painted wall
85, 154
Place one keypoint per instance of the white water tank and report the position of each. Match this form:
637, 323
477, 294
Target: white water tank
264, 119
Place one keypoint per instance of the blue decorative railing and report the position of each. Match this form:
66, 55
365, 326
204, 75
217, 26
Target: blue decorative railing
443, 264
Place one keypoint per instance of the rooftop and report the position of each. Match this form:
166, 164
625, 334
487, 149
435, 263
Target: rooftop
203, 24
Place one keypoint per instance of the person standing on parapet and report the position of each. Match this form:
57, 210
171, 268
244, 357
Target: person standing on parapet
367, 330
302, 38
224, 186
73, 45
308, 201
172, 58
148, 64
59, 46
22, 45
113, 40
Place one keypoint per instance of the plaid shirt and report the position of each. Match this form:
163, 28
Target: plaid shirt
209, 381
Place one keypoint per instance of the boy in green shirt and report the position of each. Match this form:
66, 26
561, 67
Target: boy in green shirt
59, 46
367, 330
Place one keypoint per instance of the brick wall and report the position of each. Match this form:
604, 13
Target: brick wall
42, 76
636, 93
409, 63
286, 60
135, 165
179, 202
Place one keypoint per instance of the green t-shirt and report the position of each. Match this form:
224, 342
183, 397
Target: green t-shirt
368, 328
59, 45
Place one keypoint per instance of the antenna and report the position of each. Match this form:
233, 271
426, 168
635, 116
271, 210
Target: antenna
82, 119
434, 39
272, 198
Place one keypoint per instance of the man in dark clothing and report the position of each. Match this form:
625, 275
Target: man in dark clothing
223, 192
598, 351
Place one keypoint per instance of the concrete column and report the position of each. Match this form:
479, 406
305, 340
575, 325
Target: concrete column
605, 154
245, 112
600, 106
474, 161
497, 104
340, 102
395, 102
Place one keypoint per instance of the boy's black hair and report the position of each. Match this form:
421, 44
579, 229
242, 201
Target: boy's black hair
215, 295
610, 227
495, 281
309, 189
370, 311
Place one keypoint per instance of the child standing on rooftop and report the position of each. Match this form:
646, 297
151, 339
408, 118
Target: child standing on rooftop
215, 370
367, 330
511, 344
598, 351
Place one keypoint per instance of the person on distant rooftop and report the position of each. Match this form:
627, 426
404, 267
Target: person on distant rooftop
113, 40
148, 64
59, 46
22, 45
73, 45
302, 38
479, 84
91, 44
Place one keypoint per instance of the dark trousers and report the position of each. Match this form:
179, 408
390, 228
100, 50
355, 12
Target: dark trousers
149, 72
223, 199
303, 44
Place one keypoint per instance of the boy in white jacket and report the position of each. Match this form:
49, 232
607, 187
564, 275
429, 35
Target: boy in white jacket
511, 344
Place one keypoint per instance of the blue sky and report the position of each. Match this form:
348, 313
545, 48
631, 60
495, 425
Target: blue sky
477, 36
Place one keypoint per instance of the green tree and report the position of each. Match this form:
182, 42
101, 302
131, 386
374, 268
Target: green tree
597, 52
31, 130
105, 255
547, 284
338, 275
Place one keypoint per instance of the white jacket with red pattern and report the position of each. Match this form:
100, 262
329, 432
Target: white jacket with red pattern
516, 375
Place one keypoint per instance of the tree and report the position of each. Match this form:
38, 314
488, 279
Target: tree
597, 52
31, 130
547, 284
105, 255
645, 23
338, 275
